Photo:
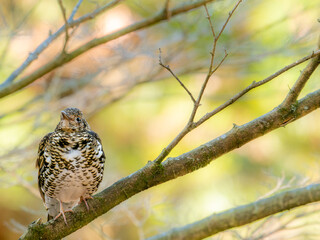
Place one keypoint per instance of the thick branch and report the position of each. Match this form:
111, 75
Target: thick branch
10, 87
258, 84
244, 214
192, 125
153, 174
302, 80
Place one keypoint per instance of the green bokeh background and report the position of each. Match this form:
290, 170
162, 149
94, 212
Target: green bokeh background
261, 38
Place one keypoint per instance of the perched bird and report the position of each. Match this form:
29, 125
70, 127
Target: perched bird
70, 162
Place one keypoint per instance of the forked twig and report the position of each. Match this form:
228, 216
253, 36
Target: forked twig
253, 85
175, 76
296, 89
196, 103
220, 63
226, 22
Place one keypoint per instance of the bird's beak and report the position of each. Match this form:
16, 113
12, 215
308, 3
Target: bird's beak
64, 116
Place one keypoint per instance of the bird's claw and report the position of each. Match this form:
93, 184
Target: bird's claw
85, 200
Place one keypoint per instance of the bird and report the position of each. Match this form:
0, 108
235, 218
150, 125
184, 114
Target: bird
71, 164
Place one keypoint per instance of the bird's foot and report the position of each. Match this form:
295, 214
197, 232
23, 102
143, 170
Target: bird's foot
85, 200
62, 212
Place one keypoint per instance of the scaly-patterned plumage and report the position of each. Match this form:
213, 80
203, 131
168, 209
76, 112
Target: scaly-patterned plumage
70, 162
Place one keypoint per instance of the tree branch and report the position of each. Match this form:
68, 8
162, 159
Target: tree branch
175, 76
196, 103
244, 214
153, 174
302, 80
9, 87
72, 23
192, 125
255, 84
66, 24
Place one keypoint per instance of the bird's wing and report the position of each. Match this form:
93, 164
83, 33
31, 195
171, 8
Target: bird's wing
41, 159
95, 135
41, 149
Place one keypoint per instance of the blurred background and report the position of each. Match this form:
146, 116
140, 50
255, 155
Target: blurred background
137, 108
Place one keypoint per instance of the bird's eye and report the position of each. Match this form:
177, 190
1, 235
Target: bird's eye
78, 119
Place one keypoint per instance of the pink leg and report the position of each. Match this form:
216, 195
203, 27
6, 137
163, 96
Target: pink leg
85, 201
62, 213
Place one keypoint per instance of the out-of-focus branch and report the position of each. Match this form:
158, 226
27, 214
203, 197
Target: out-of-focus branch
156, 173
244, 214
66, 24
306, 73
72, 23
74, 11
9, 87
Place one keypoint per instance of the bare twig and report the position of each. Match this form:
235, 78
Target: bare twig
167, 9
254, 85
220, 63
226, 22
66, 24
175, 76
9, 87
72, 23
208, 115
210, 22
284, 225
302, 80
190, 124
74, 11
14, 31
210, 71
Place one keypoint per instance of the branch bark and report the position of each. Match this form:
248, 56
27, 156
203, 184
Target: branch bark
192, 125
244, 214
10, 87
153, 174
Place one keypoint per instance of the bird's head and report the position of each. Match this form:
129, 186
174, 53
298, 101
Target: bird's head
72, 120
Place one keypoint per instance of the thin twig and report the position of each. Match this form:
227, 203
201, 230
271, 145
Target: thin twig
165, 152
226, 22
300, 83
220, 63
190, 124
74, 11
72, 23
167, 9
210, 71
9, 87
66, 24
175, 76
254, 85
209, 19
